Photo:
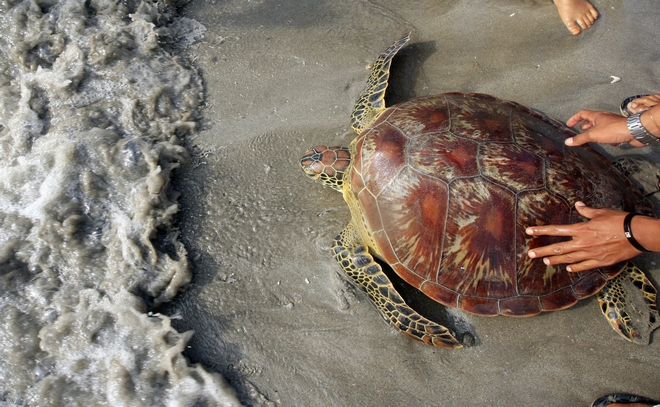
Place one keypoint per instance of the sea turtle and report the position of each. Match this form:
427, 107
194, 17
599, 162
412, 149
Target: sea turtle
442, 188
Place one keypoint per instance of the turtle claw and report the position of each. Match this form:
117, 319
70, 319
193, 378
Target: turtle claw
410, 323
438, 339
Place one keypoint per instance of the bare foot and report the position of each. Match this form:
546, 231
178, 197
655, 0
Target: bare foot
643, 103
576, 14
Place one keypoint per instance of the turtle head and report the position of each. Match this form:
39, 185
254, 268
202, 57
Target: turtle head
327, 164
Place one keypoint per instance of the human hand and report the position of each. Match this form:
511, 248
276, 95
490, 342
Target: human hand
600, 127
598, 242
643, 103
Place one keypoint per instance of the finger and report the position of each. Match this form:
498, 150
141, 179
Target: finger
584, 266
591, 135
644, 103
568, 255
586, 126
570, 259
637, 107
652, 100
554, 253
580, 116
636, 143
578, 140
576, 261
551, 230
585, 211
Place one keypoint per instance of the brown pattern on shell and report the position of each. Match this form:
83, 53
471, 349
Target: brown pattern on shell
478, 258
443, 155
413, 208
415, 119
383, 156
448, 184
511, 166
479, 119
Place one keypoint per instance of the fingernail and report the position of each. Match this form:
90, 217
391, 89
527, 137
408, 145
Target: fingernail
546, 261
632, 105
531, 254
569, 141
580, 203
529, 231
569, 269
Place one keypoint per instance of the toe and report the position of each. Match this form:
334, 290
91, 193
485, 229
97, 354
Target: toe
573, 28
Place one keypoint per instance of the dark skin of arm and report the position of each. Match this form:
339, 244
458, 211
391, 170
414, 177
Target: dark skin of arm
600, 241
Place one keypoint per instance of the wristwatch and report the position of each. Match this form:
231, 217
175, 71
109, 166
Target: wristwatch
639, 132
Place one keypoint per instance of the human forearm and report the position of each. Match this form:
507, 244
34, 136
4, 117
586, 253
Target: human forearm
651, 120
647, 232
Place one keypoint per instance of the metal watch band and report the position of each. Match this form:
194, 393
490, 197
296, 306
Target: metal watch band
638, 131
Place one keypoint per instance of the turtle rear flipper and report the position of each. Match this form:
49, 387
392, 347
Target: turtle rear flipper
370, 278
629, 304
371, 102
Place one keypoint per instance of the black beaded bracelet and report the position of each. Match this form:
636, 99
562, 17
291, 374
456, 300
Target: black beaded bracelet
628, 232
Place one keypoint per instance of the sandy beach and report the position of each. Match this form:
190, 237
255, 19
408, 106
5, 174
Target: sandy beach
270, 308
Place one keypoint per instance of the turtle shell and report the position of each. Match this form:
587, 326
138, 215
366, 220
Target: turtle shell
447, 185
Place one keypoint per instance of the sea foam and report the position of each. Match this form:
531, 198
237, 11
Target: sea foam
92, 116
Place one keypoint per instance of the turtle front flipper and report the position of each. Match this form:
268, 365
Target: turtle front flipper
368, 275
371, 102
629, 304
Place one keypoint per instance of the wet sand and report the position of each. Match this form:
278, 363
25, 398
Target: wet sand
271, 309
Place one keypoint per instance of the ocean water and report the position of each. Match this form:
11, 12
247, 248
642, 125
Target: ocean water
93, 112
